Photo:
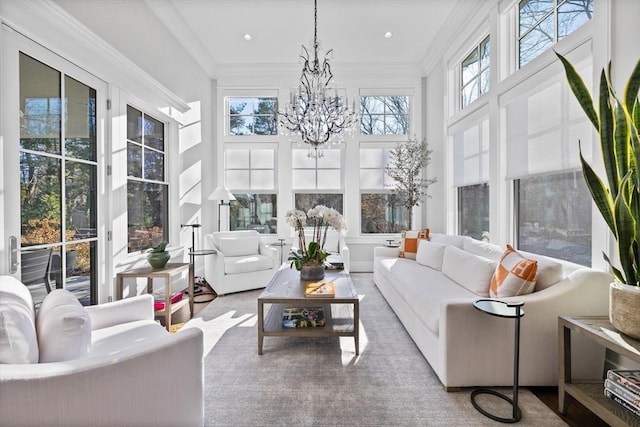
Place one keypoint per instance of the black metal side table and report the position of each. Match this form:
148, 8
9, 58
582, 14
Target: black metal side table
511, 310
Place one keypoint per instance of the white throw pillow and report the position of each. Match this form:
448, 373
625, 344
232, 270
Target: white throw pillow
471, 271
18, 340
430, 254
239, 246
64, 328
449, 239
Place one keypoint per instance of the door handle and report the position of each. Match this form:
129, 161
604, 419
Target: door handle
13, 254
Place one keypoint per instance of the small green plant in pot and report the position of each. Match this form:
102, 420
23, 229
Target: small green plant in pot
617, 196
158, 256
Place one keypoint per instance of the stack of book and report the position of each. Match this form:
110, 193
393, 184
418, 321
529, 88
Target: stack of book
159, 301
303, 317
623, 387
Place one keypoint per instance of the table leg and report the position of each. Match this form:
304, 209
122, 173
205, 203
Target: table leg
564, 364
260, 325
191, 289
356, 325
119, 284
167, 303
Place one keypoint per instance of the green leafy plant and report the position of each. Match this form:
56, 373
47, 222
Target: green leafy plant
406, 163
617, 196
160, 248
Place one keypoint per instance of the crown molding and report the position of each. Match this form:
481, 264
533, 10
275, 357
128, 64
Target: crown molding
49, 25
178, 27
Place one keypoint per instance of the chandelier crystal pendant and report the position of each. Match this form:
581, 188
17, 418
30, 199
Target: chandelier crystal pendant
315, 114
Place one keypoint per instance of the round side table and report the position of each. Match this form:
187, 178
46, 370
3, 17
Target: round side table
512, 310
281, 244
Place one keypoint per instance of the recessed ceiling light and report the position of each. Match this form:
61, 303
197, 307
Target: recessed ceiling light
388, 35
247, 37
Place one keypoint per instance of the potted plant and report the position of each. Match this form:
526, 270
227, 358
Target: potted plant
158, 256
618, 195
309, 259
406, 163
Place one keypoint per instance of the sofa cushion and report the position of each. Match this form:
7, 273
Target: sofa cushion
515, 275
18, 339
430, 254
239, 246
449, 239
409, 243
64, 328
483, 249
123, 336
471, 271
247, 264
550, 271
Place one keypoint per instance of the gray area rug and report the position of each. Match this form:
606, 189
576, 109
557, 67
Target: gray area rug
321, 382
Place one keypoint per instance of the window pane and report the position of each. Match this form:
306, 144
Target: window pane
332, 159
80, 182
134, 124
304, 179
241, 125
555, 217
572, 14
134, 160
306, 201
237, 159
80, 113
470, 93
382, 213
372, 104
532, 12
254, 212
147, 214
300, 159
153, 165
372, 158
371, 179
40, 199
484, 81
262, 180
238, 179
383, 115
537, 41
473, 210
153, 133
252, 116
262, 159
40, 106
328, 179
470, 67
485, 53
240, 106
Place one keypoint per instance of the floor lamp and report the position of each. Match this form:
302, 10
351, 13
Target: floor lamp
224, 196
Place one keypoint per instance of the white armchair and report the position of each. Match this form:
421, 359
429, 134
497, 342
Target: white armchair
133, 372
242, 262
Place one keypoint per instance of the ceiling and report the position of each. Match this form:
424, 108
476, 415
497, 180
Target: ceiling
213, 29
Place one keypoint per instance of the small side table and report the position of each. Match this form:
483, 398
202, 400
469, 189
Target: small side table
511, 310
166, 273
281, 244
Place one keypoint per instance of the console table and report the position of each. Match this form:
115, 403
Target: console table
167, 274
591, 393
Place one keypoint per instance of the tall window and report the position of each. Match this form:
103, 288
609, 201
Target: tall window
475, 74
543, 23
251, 174
252, 115
473, 210
554, 216
147, 188
317, 180
381, 210
384, 115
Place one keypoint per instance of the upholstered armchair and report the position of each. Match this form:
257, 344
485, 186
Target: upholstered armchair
242, 262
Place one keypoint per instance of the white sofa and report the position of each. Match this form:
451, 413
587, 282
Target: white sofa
467, 347
242, 262
106, 365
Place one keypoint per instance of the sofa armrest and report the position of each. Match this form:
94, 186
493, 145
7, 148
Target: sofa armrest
343, 249
384, 251
270, 251
147, 385
213, 264
126, 310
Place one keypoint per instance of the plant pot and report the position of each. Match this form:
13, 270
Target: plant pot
624, 309
312, 272
158, 259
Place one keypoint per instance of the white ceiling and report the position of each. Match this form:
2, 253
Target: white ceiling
354, 29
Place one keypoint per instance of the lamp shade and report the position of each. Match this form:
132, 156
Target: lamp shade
223, 194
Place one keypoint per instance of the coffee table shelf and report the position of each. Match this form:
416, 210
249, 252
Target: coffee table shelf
287, 290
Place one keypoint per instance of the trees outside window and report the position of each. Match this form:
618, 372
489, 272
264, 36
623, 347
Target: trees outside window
475, 74
384, 115
252, 115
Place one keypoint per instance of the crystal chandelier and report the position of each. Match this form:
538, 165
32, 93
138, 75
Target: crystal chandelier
315, 114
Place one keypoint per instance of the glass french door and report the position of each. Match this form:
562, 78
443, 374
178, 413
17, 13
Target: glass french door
58, 177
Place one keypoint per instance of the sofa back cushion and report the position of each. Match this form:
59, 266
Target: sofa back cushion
449, 239
550, 271
515, 275
471, 271
483, 249
409, 243
430, 254
238, 243
18, 339
64, 328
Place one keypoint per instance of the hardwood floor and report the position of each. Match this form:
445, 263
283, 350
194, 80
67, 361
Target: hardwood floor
577, 414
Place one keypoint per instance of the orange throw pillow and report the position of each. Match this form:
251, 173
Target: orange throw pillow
409, 245
514, 275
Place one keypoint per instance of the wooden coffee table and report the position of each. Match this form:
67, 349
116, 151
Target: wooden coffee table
286, 289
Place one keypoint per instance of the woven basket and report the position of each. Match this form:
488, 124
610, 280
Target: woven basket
624, 309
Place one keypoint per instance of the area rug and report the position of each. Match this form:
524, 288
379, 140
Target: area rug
321, 382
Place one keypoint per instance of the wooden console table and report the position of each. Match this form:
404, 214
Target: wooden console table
166, 273
591, 393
